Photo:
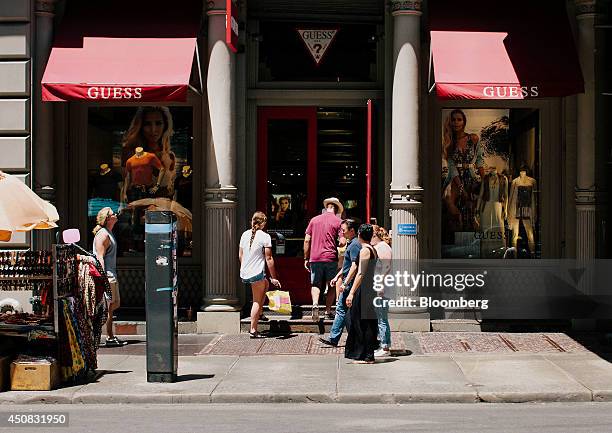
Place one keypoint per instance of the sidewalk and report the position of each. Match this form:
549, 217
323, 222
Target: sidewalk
429, 376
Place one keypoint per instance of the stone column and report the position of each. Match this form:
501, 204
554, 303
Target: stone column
406, 191
42, 143
221, 252
587, 194
586, 190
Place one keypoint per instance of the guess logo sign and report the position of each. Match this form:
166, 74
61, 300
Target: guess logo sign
510, 92
114, 93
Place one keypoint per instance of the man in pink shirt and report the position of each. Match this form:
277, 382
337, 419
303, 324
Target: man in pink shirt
323, 236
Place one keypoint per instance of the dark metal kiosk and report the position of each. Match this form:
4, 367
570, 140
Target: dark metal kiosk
161, 296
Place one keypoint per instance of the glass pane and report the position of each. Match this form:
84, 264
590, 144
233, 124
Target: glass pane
341, 156
490, 173
138, 159
287, 187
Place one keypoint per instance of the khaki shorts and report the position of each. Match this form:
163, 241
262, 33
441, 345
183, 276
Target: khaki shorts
115, 297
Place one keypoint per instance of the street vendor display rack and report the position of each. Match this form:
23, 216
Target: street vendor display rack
68, 303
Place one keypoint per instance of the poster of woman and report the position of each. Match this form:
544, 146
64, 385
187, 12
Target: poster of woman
474, 142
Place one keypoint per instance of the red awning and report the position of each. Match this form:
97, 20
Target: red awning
518, 50
126, 58
488, 69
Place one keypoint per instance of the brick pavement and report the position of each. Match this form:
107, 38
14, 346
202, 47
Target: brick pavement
421, 343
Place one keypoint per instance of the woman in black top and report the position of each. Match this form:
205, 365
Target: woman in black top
362, 338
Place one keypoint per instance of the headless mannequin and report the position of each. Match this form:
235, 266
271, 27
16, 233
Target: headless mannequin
183, 187
143, 181
522, 207
105, 183
492, 205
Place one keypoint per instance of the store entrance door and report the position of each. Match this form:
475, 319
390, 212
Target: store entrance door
306, 154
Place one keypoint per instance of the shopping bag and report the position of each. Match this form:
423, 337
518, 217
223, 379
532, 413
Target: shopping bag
279, 300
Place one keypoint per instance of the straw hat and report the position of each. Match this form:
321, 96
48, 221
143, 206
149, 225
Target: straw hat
335, 201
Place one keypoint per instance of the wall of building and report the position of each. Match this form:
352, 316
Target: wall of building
15, 92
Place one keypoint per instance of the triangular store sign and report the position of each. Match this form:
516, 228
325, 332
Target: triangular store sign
317, 41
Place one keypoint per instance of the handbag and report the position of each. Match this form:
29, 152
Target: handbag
280, 301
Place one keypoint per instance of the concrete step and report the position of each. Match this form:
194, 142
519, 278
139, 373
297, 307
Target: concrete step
285, 324
139, 327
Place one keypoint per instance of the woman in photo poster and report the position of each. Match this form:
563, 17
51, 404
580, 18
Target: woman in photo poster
152, 128
464, 158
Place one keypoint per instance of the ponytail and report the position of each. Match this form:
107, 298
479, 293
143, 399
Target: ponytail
258, 221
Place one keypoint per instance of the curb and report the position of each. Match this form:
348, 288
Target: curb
321, 398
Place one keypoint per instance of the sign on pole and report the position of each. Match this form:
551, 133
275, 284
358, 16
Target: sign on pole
317, 41
407, 229
231, 25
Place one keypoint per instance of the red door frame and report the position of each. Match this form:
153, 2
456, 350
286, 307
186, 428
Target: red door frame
265, 114
290, 269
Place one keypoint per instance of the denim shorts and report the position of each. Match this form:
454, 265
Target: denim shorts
254, 279
321, 273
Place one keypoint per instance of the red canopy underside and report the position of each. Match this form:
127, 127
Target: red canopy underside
518, 50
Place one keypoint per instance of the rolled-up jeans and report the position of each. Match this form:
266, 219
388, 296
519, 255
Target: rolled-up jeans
340, 318
384, 330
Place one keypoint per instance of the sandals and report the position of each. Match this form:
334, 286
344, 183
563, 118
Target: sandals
255, 335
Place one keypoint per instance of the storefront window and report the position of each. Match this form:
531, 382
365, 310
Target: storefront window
350, 55
139, 159
490, 174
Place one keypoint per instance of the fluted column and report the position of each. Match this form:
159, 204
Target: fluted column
406, 191
42, 144
221, 272
586, 190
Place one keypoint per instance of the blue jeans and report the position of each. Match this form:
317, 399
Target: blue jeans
384, 330
336, 330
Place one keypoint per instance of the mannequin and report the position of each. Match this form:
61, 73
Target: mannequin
183, 187
139, 181
105, 183
492, 206
522, 207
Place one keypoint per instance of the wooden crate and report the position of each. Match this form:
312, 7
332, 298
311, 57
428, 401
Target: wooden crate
32, 376
5, 367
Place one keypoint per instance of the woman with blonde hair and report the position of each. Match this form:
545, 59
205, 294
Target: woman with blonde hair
463, 156
152, 128
105, 249
255, 253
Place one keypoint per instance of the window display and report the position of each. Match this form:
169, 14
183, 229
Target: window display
141, 159
489, 189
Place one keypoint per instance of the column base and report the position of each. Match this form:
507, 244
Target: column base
220, 322
221, 304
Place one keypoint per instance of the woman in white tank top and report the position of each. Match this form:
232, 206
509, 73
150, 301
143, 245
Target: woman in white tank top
255, 252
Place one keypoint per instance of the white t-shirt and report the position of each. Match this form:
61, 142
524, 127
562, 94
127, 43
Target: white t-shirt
253, 257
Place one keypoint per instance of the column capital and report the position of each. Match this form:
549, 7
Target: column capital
586, 8
589, 196
407, 196
214, 7
406, 7
45, 7
220, 196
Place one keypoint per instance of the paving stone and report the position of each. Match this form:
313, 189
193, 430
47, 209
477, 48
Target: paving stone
403, 380
588, 369
287, 379
519, 378
126, 382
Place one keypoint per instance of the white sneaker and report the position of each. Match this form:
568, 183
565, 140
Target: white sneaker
382, 353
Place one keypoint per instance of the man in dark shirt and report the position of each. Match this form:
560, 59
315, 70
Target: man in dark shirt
347, 276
